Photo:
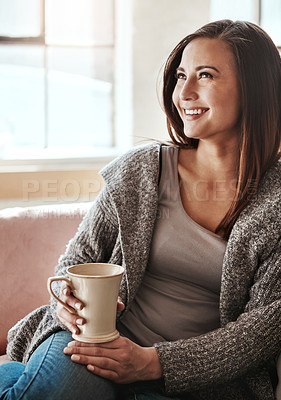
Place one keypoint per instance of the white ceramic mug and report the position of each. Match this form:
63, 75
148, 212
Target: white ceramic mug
97, 286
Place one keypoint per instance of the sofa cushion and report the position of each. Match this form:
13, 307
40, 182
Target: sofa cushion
31, 240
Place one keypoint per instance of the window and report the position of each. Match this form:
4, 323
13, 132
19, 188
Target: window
270, 17
266, 13
56, 77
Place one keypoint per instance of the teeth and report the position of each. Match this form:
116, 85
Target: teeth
194, 111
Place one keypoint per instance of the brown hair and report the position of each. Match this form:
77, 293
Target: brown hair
258, 68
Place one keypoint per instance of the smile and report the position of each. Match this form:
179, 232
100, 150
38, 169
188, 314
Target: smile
195, 111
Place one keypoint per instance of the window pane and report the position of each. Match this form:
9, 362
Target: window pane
235, 10
79, 111
92, 62
59, 95
22, 94
271, 19
79, 97
79, 22
20, 18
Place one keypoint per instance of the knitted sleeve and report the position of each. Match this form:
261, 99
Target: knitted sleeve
94, 241
237, 348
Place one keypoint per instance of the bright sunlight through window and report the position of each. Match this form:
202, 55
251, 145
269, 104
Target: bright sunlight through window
56, 77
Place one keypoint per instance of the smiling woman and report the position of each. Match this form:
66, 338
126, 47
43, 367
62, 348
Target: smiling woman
203, 88
196, 225
257, 99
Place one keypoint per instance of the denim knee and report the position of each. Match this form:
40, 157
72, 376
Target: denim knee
50, 374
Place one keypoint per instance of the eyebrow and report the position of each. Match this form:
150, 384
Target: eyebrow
200, 67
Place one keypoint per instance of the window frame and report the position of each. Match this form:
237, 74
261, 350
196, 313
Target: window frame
36, 40
118, 139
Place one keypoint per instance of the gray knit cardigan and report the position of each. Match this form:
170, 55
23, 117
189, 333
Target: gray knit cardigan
232, 362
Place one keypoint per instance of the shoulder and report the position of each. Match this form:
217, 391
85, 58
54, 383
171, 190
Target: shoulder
138, 162
272, 176
268, 196
259, 224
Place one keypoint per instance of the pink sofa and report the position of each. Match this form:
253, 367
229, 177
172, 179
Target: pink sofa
31, 241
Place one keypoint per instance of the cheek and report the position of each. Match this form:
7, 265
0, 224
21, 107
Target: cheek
234, 101
235, 110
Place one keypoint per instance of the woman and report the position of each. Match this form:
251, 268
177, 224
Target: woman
197, 226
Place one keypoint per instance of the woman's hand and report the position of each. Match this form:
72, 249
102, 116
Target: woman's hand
121, 361
71, 320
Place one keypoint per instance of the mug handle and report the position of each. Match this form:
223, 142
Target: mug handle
49, 286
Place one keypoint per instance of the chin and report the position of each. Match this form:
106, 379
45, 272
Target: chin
190, 135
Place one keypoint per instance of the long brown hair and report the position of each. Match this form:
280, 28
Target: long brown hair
258, 67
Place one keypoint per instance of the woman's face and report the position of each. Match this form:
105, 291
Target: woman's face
207, 94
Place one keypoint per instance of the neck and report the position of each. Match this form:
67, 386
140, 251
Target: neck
217, 162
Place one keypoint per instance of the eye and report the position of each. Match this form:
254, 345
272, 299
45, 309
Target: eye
180, 75
206, 75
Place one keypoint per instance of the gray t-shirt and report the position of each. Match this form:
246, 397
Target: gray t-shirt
179, 295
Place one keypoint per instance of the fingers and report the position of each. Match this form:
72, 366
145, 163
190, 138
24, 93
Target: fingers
70, 320
107, 368
87, 351
98, 362
105, 373
67, 296
75, 343
126, 363
120, 304
116, 350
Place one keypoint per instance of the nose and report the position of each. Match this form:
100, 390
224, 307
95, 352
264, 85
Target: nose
188, 90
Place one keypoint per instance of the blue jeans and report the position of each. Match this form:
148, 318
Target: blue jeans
51, 375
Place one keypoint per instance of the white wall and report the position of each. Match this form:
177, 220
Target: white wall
158, 25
